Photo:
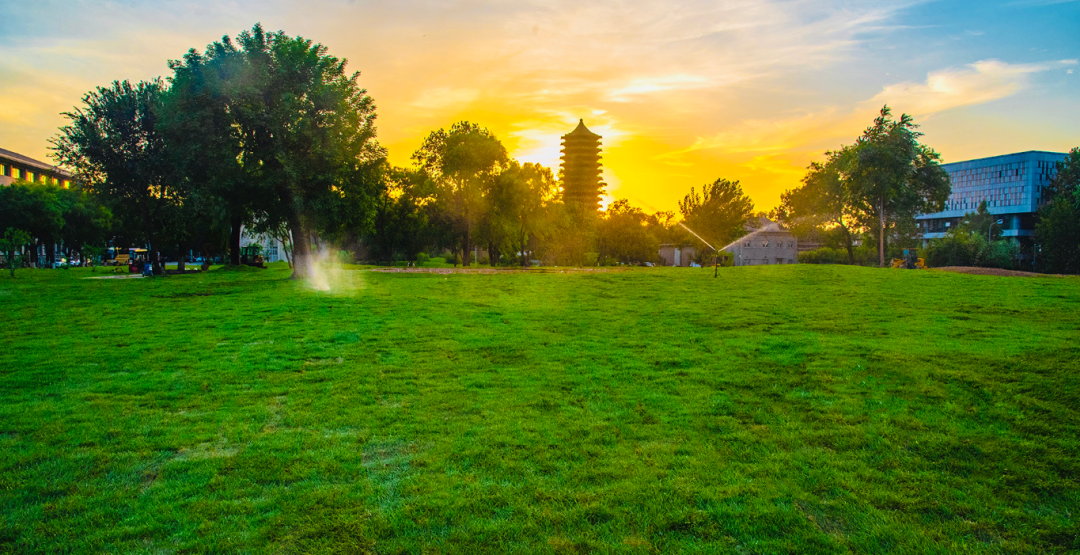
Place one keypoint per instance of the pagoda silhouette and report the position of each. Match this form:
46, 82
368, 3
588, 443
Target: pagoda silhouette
581, 168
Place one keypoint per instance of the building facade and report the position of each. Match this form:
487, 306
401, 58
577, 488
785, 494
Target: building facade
672, 255
271, 248
580, 171
1012, 186
767, 243
16, 167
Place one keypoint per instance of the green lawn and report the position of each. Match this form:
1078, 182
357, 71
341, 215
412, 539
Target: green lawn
777, 409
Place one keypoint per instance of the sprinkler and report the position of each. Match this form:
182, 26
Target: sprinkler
716, 253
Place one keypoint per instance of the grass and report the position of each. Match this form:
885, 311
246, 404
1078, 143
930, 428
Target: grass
783, 409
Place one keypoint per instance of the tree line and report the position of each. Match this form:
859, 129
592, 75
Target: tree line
861, 202
270, 133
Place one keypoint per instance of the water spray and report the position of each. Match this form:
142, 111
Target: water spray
716, 255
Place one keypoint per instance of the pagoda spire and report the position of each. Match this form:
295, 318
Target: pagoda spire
581, 168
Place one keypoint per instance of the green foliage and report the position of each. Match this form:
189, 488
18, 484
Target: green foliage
654, 410
877, 186
345, 257
423, 258
118, 152
1057, 234
864, 255
464, 163
718, 213
10, 244
964, 248
627, 235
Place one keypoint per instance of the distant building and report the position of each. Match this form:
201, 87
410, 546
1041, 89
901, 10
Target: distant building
767, 243
676, 256
581, 168
271, 248
1012, 186
15, 166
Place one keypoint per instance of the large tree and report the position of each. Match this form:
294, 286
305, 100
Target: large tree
889, 177
627, 234
36, 209
820, 204
719, 213
200, 121
118, 152
463, 162
517, 202
1057, 234
313, 129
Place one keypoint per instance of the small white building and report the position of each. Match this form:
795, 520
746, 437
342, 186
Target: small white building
272, 248
677, 256
767, 243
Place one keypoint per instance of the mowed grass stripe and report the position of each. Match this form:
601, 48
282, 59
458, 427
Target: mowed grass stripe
792, 409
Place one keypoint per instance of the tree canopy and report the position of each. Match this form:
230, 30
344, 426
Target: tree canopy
719, 213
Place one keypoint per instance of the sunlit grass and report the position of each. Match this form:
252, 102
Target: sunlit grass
797, 409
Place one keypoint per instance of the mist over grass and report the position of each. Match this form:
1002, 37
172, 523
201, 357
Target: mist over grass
782, 409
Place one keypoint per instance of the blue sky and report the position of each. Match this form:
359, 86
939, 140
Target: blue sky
683, 92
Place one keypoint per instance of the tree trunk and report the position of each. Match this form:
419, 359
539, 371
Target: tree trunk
847, 242
523, 254
234, 241
301, 248
881, 236
285, 249
468, 246
181, 262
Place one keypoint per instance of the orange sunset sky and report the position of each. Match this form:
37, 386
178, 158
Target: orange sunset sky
682, 92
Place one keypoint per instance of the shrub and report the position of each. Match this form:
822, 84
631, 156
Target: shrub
824, 255
345, 257
970, 249
421, 258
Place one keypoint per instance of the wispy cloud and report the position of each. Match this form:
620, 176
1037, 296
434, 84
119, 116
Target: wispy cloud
978, 83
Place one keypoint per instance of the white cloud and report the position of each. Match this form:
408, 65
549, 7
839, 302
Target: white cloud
977, 83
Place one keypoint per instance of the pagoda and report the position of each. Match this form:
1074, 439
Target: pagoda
580, 171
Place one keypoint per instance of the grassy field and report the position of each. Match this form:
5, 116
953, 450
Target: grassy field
782, 409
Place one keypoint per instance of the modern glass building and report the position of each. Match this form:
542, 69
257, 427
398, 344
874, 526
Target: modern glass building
1012, 186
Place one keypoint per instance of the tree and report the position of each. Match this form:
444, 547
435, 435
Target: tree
890, 178
625, 234
820, 204
114, 145
35, 209
200, 121
10, 244
719, 213
1057, 233
463, 163
312, 129
517, 201
86, 222
401, 218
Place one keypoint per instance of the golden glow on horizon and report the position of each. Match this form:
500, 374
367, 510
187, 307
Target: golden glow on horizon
682, 93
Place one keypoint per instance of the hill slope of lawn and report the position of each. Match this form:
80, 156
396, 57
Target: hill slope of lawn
784, 409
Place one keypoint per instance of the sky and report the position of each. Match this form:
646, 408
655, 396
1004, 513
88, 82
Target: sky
683, 93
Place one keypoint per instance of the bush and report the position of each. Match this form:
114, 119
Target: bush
421, 258
484, 261
345, 257
824, 255
970, 249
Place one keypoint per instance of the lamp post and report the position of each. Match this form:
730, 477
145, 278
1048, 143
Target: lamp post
991, 228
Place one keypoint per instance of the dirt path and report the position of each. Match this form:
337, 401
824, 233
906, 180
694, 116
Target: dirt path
992, 272
492, 270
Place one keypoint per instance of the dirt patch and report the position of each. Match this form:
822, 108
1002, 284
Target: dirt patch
992, 272
493, 270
